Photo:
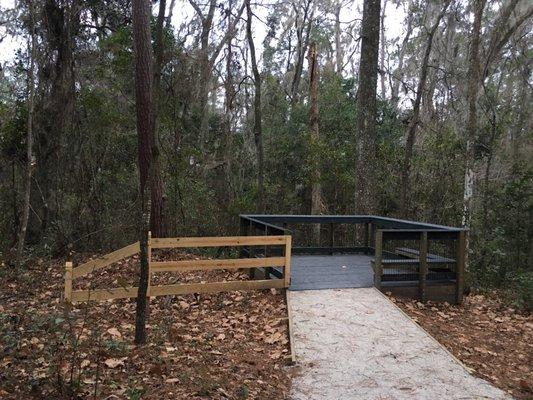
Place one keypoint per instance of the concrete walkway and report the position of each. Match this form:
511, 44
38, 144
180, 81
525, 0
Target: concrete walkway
355, 344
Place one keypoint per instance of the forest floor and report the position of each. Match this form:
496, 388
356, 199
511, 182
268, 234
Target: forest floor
494, 341
213, 346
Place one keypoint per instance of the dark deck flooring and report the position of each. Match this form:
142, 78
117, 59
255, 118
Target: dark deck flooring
330, 272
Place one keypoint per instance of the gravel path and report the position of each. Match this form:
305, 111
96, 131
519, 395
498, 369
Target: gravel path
355, 344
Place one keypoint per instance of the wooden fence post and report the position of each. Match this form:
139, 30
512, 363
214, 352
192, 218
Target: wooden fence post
287, 268
460, 273
422, 265
149, 250
378, 268
68, 281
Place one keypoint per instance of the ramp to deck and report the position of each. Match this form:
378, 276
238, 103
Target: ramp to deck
355, 344
328, 272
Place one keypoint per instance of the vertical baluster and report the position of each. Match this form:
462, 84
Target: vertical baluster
423, 265
331, 238
267, 269
460, 268
378, 268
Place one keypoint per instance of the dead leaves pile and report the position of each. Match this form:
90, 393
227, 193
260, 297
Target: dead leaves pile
494, 341
214, 346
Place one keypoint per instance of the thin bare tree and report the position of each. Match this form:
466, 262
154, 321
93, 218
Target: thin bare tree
367, 108
29, 132
142, 49
415, 118
303, 23
157, 217
317, 204
208, 58
258, 130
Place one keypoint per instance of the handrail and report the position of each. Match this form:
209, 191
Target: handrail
400, 223
266, 224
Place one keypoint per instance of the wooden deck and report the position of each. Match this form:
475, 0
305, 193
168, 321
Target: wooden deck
331, 272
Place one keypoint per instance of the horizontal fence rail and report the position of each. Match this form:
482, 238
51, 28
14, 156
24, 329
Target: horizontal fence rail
282, 242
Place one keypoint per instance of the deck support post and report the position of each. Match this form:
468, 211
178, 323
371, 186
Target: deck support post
367, 238
372, 236
331, 239
287, 268
460, 273
378, 268
423, 265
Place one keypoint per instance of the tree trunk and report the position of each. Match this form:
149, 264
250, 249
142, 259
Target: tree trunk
501, 33
338, 45
316, 187
413, 123
366, 108
207, 61
258, 130
205, 69
303, 32
397, 77
383, 46
471, 124
29, 136
143, 104
157, 215
61, 19
229, 90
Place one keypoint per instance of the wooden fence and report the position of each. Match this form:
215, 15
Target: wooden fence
186, 265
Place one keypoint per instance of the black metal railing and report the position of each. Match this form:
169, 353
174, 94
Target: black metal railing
404, 251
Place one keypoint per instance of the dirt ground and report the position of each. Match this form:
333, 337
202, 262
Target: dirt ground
215, 346
493, 340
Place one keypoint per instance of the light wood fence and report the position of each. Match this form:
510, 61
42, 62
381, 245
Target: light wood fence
186, 265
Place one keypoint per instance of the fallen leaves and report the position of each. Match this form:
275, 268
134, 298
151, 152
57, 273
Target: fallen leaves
214, 346
114, 332
494, 341
114, 362
275, 337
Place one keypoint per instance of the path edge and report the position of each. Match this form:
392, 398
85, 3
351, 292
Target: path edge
439, 344
290, 359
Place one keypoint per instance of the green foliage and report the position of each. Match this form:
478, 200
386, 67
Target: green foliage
520, 289
501, 237
87, 199
135, 393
